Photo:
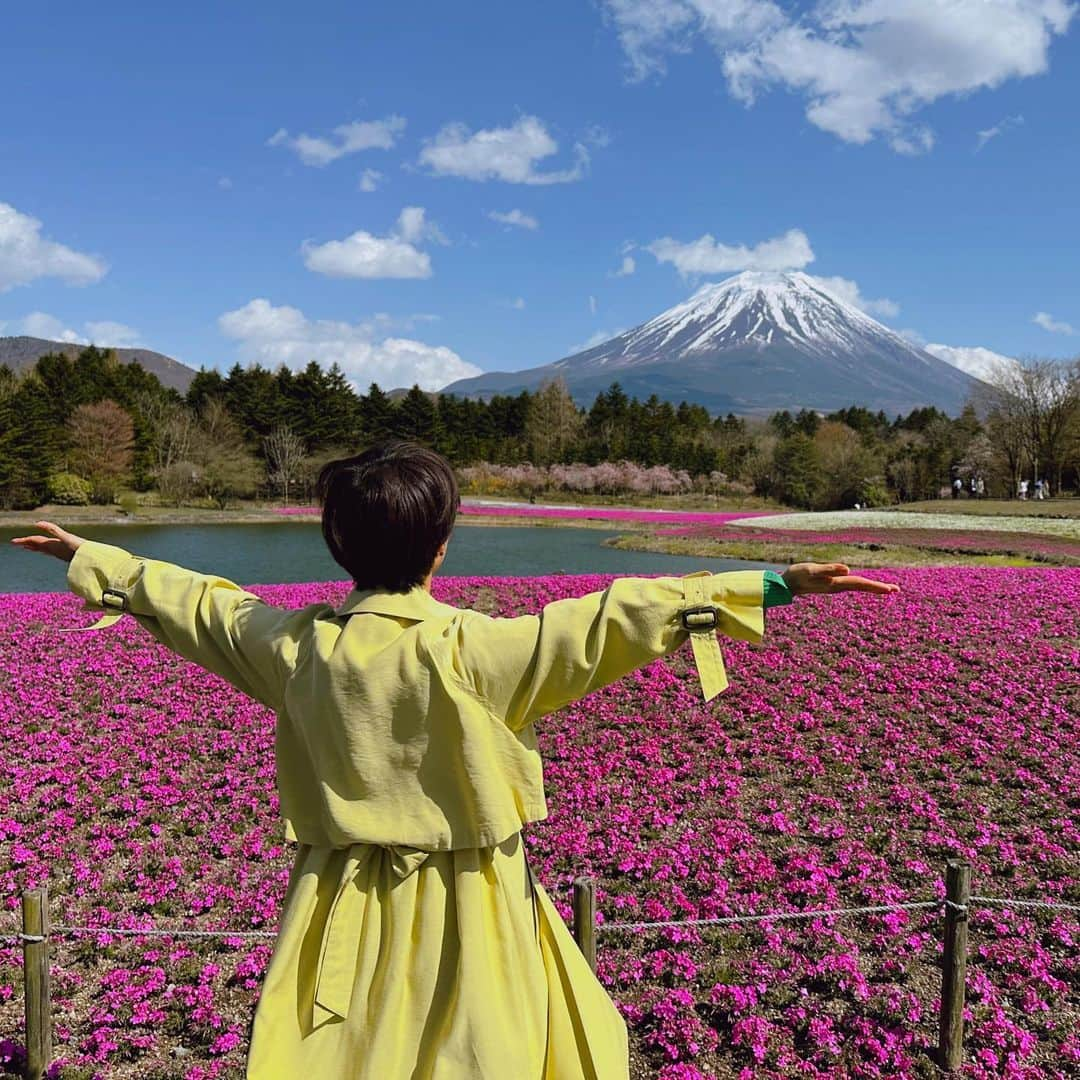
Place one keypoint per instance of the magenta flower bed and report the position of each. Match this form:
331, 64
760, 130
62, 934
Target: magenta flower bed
1054, 549
859, 747
600, 513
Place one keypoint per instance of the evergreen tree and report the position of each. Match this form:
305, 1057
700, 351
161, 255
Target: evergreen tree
798, 474
206, 383
377, 419
417, 416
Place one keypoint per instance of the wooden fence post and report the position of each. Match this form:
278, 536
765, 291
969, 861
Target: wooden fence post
954, 965
585, 919
35, 927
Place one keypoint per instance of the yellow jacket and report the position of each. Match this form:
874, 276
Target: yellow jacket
403, 720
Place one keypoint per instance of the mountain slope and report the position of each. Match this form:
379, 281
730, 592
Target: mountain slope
22, 352
752, 344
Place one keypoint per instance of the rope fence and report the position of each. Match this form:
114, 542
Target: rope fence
37, 933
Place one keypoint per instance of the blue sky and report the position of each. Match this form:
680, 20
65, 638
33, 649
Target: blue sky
282, 183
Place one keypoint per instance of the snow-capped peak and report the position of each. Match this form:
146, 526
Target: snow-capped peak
762, 308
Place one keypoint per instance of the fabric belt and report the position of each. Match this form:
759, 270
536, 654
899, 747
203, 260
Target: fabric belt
336, 972
703, 627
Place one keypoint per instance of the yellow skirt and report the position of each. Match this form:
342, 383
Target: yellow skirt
393, 962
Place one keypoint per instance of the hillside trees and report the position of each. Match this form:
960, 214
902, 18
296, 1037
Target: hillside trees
217, 441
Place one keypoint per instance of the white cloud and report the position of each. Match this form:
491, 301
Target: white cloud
864, 67
284, 335
508, 154
626, 267
347, 139
1054, 326
363, 255
518, 304
369, 180
593, 340
514, 217
975, 360
26, 255
114, 334
706, 256
225, 183
106, 333
39, 324
993, 132
592, 305
413, 227
848, 290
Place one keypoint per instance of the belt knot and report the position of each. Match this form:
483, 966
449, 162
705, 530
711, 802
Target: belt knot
336, 971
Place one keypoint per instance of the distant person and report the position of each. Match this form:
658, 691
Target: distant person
415, 941
1038, 489
972, 487
957, 487
1023, 490
981, 488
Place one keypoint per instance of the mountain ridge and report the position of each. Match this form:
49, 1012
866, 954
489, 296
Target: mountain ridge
22, 352
752, 344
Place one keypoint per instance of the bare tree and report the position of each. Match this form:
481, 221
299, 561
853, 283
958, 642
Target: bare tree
285, 454
225, 468
102, 440
1032, 408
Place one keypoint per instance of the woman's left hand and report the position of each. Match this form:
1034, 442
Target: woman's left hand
803, 578
60, 543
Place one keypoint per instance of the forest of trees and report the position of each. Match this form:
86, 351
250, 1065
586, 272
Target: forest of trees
85, 429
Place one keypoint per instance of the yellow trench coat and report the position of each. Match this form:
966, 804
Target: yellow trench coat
415, 942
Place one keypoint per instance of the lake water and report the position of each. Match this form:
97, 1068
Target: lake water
294, 551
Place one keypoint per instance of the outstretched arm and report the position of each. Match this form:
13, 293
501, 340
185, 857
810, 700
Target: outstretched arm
206, 619
529, 666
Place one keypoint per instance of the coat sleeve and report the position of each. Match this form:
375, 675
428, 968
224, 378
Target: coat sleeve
206, 619
529, 666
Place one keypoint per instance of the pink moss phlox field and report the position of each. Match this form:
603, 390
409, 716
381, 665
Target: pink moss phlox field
599, 513
1052, 549
862, 744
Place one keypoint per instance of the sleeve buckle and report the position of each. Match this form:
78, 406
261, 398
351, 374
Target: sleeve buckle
114, 598
704, 617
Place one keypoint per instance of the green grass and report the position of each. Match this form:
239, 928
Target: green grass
1051, 508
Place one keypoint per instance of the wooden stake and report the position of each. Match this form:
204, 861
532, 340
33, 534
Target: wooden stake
585, 919
954, 966
35, 925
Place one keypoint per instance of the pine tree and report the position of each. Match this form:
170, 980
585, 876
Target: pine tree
377, 419
417, 416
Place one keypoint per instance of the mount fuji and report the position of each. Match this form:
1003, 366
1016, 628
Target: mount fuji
753, 344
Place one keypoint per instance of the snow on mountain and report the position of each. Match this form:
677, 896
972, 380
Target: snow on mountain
754, 343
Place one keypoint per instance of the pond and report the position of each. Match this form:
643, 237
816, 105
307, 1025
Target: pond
294, 551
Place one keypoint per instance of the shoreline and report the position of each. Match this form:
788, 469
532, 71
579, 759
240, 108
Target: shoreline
502, 514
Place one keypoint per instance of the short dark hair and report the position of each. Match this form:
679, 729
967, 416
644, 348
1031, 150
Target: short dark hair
386, 512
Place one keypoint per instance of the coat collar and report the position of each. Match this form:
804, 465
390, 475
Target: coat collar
417, 604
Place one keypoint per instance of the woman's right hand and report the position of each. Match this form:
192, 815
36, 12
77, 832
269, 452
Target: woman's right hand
803, 578
59, 543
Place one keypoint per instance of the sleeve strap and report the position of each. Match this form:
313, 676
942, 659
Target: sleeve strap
702, 624
113, 597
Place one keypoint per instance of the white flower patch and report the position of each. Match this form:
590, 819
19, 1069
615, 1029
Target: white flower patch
833, 520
